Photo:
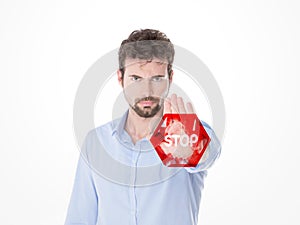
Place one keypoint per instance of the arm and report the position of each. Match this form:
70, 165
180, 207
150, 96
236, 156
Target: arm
212, 152
83, 204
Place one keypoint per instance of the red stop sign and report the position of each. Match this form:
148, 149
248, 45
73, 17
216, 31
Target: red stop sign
180, 140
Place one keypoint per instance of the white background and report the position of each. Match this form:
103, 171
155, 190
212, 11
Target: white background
251, 47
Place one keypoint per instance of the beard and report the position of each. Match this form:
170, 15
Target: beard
147, 111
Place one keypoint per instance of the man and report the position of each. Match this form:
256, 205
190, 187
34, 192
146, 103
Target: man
120, 179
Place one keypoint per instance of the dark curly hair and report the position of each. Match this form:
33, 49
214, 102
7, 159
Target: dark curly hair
146, 44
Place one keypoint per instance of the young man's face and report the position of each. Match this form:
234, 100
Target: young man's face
145, 85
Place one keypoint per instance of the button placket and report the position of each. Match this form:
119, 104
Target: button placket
134, 162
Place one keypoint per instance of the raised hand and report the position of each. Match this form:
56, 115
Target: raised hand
175, 105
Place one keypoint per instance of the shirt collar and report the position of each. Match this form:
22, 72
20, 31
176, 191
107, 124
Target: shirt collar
118, 129
118, 126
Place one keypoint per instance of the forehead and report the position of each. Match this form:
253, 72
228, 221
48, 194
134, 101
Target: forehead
146, 66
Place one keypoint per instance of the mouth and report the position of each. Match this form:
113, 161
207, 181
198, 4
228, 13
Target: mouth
147, 103
147, 107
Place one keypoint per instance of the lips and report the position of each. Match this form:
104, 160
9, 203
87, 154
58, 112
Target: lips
146, 103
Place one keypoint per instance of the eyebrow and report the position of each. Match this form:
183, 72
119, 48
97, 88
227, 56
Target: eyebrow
134, 75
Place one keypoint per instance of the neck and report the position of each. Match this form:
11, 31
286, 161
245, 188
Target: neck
139, 127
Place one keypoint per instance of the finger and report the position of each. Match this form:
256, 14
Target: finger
190, 108
167, 106
174, 105
180, 104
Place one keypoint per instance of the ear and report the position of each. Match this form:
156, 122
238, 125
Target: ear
171, 76
120, 79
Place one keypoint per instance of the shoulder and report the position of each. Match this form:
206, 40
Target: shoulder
105, 129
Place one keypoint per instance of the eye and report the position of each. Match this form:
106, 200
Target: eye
135, 78
157, 79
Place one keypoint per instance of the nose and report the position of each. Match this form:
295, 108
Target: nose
146, 88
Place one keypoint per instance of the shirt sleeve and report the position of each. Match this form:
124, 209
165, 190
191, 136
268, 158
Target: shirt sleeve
210, 155
83, 206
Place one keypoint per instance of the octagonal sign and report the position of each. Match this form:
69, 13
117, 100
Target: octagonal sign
180, 140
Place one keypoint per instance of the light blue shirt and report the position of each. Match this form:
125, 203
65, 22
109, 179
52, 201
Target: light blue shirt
121, 183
